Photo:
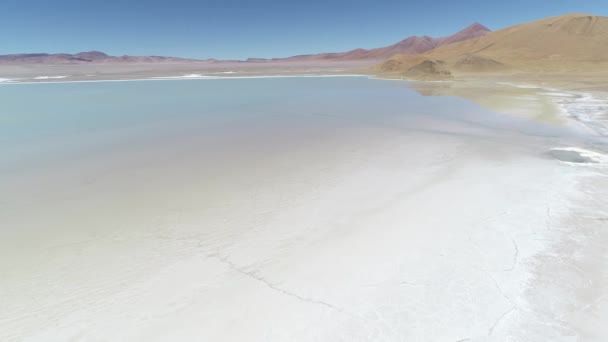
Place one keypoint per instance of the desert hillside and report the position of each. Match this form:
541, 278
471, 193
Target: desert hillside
569, 43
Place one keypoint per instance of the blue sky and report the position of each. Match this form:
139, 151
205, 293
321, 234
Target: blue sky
237, 29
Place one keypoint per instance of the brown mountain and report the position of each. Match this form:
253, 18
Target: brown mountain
573, 42
410, 46
92, 55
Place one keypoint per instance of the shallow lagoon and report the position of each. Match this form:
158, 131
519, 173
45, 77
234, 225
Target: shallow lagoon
338, 208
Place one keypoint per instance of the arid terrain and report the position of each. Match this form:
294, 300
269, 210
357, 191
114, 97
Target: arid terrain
574, 44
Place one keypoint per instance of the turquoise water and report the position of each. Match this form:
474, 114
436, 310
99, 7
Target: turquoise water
50, 120
58, 136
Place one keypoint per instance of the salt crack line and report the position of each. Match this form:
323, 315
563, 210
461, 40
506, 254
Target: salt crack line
549, 222
513, 307
224, 260
251, 275
499, 320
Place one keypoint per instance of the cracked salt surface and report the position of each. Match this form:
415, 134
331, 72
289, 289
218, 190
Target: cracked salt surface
590, 109
256, 277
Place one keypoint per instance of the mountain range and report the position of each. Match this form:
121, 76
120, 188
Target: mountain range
564, 44
85, 57
410, 45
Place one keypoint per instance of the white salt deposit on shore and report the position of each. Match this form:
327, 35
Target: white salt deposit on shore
590, 109
50, 77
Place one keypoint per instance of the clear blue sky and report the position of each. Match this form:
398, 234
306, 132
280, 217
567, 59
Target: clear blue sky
248, 28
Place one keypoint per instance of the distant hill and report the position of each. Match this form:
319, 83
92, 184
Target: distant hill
412, 45
84, 57
573, 42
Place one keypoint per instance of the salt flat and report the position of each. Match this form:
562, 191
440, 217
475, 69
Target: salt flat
304, 209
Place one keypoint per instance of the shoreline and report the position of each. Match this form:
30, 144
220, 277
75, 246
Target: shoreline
181, 78
574, 234
564, 104
572, 263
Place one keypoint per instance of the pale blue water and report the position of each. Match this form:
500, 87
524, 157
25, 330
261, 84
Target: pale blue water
49, 120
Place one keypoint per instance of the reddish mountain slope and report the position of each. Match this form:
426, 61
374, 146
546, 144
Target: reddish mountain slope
410, 46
